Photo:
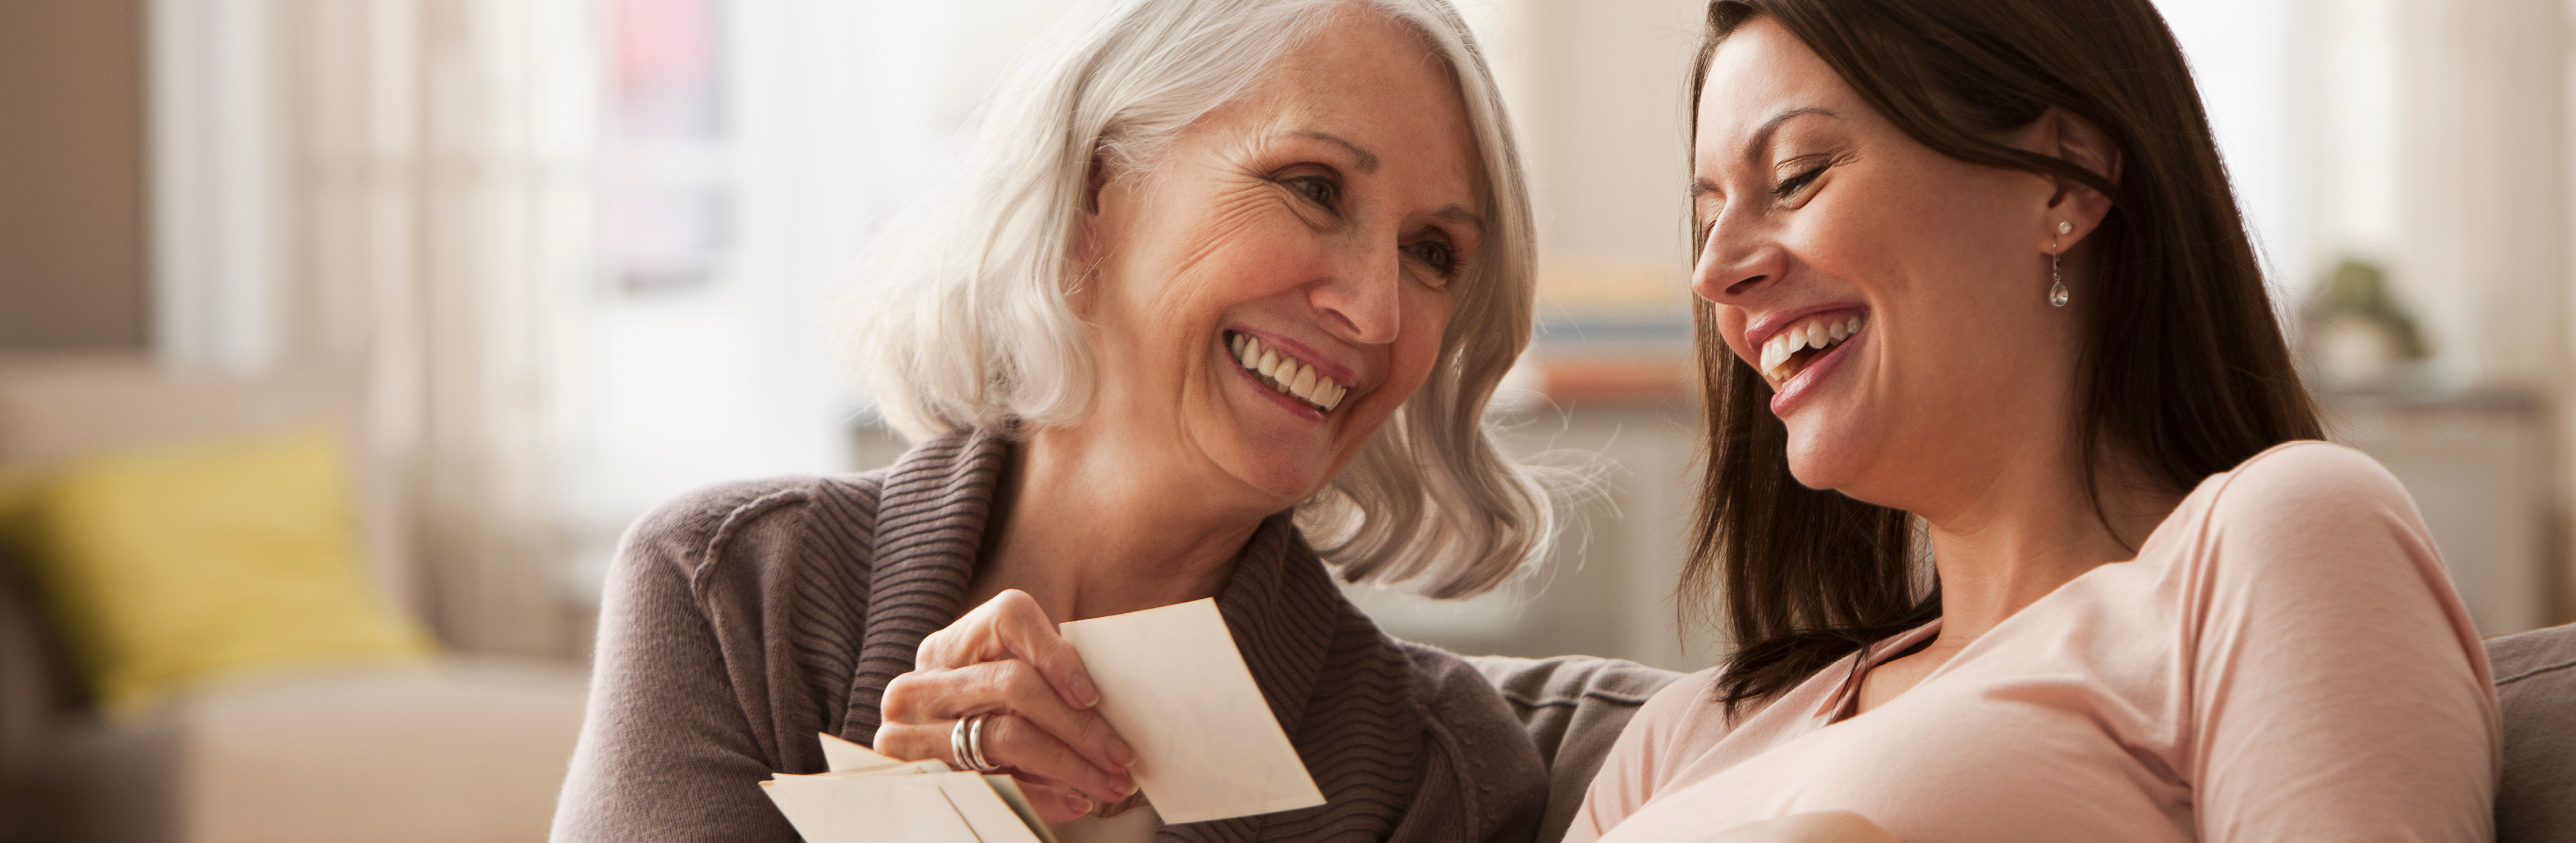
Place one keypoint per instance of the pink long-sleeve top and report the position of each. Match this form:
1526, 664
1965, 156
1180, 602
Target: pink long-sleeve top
2284, 660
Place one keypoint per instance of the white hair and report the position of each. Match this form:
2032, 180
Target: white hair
968, 324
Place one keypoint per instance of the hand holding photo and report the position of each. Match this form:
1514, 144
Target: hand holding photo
868, 796
1207, 745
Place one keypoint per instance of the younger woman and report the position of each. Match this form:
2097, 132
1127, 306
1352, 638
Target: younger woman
1975, 290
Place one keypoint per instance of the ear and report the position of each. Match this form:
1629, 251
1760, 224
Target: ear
1087, 248
1087, 233
1095, 178
2062, 134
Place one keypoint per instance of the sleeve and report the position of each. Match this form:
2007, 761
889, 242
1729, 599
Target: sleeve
1471, 739
2339, 690
1644, 756
667, 751
1574, 708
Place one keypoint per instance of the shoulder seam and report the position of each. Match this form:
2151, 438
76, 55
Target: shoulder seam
741, 514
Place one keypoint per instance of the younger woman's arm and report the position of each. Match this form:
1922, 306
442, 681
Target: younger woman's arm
2338, 687
1672, 727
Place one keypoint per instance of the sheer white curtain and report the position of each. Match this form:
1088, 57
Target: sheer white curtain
399, 188
830, 115
570, 302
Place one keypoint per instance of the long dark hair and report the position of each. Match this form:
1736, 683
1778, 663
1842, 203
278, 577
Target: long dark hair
2184, 368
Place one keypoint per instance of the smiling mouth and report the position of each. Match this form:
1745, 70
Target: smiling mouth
1288, 375
1789, 352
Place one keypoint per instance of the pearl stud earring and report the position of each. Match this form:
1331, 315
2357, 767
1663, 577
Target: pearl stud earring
2056, 285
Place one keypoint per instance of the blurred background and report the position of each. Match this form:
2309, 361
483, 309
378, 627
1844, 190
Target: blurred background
462, 287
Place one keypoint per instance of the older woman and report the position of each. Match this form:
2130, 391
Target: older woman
1216, 302
1974, 288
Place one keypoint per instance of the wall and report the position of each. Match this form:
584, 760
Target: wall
72, 225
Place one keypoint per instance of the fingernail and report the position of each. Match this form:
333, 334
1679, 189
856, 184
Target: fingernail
1083, 689
1079, 804
1119, 752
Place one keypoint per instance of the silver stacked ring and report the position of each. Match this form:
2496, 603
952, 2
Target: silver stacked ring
966, 743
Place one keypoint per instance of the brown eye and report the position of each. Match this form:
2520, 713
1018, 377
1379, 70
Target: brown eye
1791, 185
1439, 256
1320, 191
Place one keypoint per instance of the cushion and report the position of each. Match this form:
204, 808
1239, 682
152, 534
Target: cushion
60, 407
1574, 708
162, 566
2535, 676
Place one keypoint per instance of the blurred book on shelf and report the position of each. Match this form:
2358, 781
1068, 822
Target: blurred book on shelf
1612, 333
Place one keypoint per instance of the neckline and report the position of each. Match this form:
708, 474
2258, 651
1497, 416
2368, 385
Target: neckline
1838, 706
1841, 705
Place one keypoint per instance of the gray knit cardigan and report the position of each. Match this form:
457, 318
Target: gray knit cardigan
741, 620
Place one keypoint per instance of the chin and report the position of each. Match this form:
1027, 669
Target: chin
1819, 461
1266, 466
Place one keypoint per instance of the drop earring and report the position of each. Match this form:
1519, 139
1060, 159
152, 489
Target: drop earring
2056, 285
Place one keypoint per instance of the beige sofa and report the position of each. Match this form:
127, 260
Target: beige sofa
464, 749
474, 750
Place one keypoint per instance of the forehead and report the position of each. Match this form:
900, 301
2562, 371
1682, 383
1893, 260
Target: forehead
1375, 81
1758, 72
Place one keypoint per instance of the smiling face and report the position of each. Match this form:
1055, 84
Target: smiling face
1276, 283
1894, 298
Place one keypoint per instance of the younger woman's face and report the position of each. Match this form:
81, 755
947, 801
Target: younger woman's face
1274, 287
1923, 278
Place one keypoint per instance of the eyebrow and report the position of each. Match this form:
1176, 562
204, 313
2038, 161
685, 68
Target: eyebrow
1367, 160
1761, 141
1762, 137
1368, 164
1460, 215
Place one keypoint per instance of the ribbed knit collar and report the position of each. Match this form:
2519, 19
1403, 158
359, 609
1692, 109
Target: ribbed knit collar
1279, 602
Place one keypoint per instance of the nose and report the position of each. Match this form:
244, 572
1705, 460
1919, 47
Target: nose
1360, 303
1737, 261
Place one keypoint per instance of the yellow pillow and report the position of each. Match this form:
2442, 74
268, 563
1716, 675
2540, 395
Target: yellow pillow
160, 567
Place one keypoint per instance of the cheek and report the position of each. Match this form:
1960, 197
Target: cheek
1730, 329
1856, 242
1426, 319
1934, 226
1181, 294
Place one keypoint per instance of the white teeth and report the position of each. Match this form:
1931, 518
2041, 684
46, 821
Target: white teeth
1777, 351
1288, 375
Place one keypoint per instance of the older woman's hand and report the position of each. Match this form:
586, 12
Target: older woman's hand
1005, 660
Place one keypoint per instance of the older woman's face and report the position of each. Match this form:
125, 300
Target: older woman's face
1276, 285
1924, 279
